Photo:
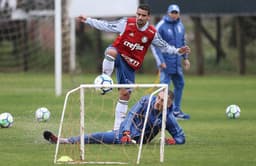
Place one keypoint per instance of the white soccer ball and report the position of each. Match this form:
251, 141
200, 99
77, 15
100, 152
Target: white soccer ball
6, 120
103, 79
233, 111
42, 114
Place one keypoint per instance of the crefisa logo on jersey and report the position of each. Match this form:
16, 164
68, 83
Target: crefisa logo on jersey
144, 39
133, 46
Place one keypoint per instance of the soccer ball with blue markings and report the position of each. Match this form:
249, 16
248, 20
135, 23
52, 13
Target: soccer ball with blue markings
6, 120
42, 114
103, 79
233, 111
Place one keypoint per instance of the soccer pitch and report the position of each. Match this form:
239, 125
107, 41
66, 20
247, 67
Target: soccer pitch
211, 138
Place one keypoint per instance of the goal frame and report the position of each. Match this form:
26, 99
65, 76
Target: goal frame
81, 88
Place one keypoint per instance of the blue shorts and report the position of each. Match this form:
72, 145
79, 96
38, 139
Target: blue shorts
124, 73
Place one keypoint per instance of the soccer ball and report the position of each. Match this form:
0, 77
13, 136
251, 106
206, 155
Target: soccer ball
103, 80
42, 114
233, 111
6, 120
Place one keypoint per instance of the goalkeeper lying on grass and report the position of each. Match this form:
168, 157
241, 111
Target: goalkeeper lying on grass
131, 128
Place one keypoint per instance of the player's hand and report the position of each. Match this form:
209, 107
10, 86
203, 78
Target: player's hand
170, 141
186, 64
163, 66
126, 138
81, 18
184, 50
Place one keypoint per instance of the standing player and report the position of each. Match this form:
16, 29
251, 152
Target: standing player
128, 50
172, 31
131, 127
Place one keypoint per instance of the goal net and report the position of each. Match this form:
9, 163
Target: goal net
86, 111
27, 35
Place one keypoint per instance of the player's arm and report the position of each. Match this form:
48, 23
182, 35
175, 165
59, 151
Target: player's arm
186, 62
157, 54
117, 26
160, 62
183, 40
134, 113
165, 47
174, 130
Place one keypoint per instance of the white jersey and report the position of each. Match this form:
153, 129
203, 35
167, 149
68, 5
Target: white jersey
119, 26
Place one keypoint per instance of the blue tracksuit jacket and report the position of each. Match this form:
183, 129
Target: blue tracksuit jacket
135, 120
173, 32
134, 123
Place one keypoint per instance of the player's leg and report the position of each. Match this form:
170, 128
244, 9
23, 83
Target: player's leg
121, 107
52, 138
109, 137
164, 77
125, 75
109, 60
178, 83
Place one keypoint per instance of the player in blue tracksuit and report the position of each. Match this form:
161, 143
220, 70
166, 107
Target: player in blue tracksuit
131, 128
172, 30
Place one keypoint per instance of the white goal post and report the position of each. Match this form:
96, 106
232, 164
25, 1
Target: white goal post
82, 90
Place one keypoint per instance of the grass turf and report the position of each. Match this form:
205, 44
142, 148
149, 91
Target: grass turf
212, 139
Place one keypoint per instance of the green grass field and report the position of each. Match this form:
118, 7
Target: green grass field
212, 139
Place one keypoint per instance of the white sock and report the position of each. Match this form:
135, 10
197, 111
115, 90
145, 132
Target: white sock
108, 65
120, 114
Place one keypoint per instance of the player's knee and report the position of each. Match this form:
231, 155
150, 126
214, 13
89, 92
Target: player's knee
111, 51
180, 140
124, 94
181, 84
74, 140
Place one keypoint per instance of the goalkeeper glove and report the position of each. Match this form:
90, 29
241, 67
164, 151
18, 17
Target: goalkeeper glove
126, 138
170, 141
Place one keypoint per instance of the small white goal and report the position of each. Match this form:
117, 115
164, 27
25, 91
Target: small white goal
86, 111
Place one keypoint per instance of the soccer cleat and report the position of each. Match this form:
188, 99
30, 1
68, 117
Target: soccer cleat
180, 115
49, 136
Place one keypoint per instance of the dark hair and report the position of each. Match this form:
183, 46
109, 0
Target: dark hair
171, 94
145, 7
